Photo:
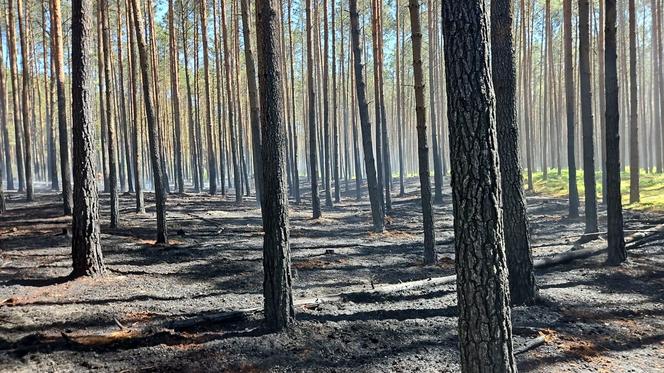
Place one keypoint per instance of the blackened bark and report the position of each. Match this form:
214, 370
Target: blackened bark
124, 117
3, 125
277, 283
11, 40
254, 114
136, 132
110, 125
437, 160
616, 234
634, 164
485, 330
175, 95
27, 128
86, 246
335, 124
296, 167
375, 192
587, 118
570, 100
212, 159
237, 181
315, 198
326, 110
153, 132
422, 147
517, 242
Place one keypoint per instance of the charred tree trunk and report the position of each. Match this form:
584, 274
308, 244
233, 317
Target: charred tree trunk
570, 100
86, 245
27, 128
313, 161
212, 159
374, 191
254, 114
437, 160
153, 132
517, 242
587, 118
634, 164
136, 132
277, 284
110, 125
175, 95
422, 147
485, 330
11, 40
616, 234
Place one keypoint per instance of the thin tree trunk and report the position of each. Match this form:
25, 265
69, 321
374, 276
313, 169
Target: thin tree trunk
18, 139
27, 130
175, 95
110, 125
616, 235
153, 132
296, 172
237, 181
517, 243
634, 164
212, 159
374, 191
277, 284
136, 128
3, 127
422, 147
124, 117
485, 330
86, 238
437, 162
570, 102
315, 199
587, 118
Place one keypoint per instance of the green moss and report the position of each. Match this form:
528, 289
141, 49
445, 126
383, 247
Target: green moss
652, 188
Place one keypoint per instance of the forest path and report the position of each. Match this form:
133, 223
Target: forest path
594, 317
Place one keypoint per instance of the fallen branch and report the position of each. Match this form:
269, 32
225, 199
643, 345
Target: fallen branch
531, 344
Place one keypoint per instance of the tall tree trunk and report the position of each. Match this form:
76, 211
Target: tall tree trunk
277, 284
326, 108
16, 104
136, 130
175, 95
86, 238
315, 199
570, 102
296, 171
437, 161
374, 191
124, 116
3, 124
335, 124
237, 181
27, 130
634, 164
212, 159
110, 125
254, 113
193, 126
517, 242
616, 234
485, 330
587, 118
422, 147
399, 103
153, 132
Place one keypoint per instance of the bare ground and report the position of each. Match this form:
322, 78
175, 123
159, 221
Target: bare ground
593, 317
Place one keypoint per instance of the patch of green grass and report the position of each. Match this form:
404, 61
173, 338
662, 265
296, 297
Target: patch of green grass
652, 187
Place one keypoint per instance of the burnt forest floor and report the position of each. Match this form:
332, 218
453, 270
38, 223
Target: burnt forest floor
149, 312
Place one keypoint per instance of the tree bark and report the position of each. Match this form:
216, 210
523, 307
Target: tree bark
437, 161
634, 163
277, 284
212, 159
485, 330
153, 133
315, 199
570, 102
422, 147
11, 40
3, 126
254, 113
27, 128
175, 95
587, 118
136, 131
517, 241
616, 234
110, 125
374, 191
86, 245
